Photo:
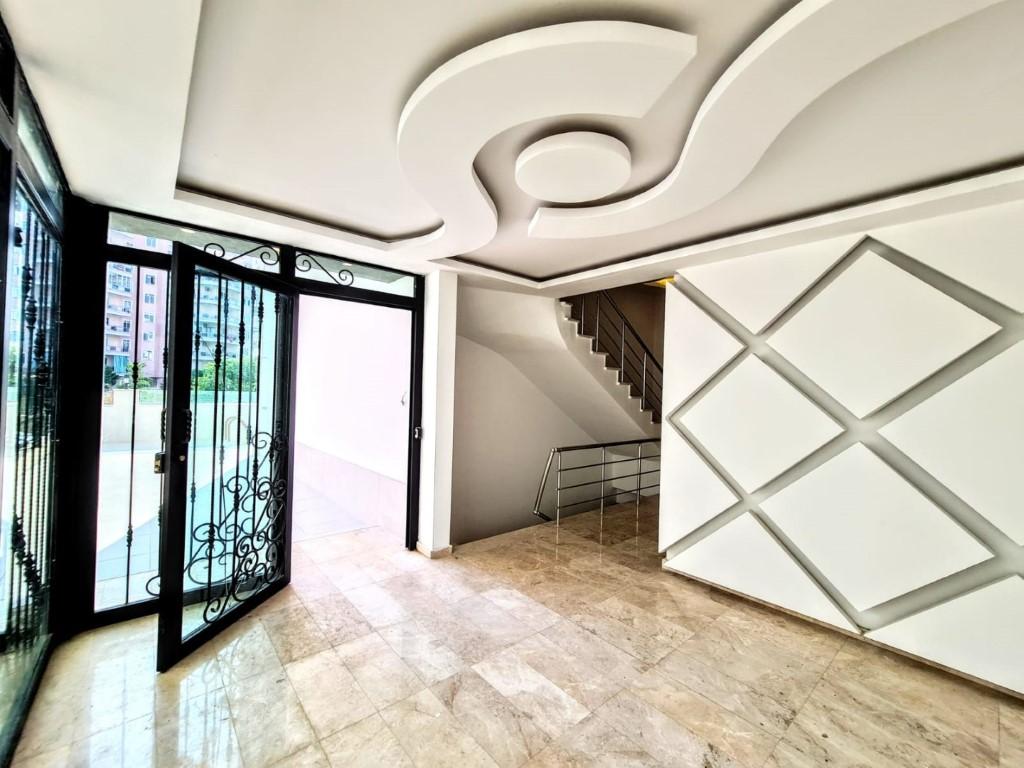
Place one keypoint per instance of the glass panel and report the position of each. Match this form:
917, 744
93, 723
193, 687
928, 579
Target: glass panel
25, 515
33, 139
235, 509
331, 269
160, 236
134, 374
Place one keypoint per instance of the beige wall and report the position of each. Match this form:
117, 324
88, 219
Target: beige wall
644, 308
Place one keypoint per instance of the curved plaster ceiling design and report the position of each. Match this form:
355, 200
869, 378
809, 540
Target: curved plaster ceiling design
573, 167
580, 68
805, 53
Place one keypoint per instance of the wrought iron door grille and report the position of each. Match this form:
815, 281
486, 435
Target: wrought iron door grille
237, 491
26, 515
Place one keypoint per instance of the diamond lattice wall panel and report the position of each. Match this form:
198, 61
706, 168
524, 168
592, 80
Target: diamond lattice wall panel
870, 532
980, 248
758, 288
980, 633
971, 437
696, 347
744, 557
875, 332
756, 425
691, 494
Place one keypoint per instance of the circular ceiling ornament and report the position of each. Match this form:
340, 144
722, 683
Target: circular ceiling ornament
574, 167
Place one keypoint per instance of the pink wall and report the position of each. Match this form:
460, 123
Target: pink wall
353, 380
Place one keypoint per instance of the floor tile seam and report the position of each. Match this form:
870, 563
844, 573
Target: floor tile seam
534, 669
807, 698
390, 730
234, 724
733, 679
511, 706
713, 703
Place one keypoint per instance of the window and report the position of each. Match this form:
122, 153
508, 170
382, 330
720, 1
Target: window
150, 279
147, 336
147, 355
126, 326
120, 283
151, 235
148, 317
149, 298
126, 306
125, 345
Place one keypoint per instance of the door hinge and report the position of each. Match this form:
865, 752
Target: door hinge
417, 433
159, 462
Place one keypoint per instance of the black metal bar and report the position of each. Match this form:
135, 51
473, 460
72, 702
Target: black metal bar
594, 446
412, 490
612, 478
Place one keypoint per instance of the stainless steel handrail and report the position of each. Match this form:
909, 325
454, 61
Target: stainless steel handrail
636, 363
555, 457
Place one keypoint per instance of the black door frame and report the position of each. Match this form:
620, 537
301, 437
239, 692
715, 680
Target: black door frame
87, 254
171, 647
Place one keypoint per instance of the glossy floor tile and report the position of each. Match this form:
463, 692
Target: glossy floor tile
543, 647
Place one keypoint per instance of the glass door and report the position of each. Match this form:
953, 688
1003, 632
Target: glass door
225, 529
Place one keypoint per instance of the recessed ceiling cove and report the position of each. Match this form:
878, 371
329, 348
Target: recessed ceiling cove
391, 132
573, 167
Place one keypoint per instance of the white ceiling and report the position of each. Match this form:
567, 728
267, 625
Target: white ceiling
280, 120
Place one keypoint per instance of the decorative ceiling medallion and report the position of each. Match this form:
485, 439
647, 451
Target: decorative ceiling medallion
573, 167
603, 68
814, 46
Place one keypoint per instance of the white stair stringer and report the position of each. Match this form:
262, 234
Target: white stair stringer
535, 335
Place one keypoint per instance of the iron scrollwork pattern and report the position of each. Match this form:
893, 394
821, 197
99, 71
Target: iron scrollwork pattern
264, 253
315, 268
33, 300
245, 545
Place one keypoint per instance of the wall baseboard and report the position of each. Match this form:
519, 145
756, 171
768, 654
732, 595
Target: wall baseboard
435, 553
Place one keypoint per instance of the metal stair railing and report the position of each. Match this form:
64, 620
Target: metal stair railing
609, 459
611, 333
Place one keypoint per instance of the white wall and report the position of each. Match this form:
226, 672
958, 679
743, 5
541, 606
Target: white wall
353, 376
504, 428
848, 432
526, 383
440, 303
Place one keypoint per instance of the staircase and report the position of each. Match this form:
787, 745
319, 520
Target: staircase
599, 319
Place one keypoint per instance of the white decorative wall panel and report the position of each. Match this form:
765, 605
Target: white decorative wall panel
971, 437
698, 349
980, 633
981, 248
701, 493
743, 556
876, 331
854, 516
871, 431
756, 289
756, 425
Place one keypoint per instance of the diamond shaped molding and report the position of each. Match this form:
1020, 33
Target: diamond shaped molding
853, 517
970, 436
756, 425
699, 341
744, 557
758, 288
875, 332
978, 633
992, 236
700, 494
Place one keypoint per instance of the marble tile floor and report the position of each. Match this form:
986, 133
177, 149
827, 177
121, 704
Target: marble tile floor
537, 648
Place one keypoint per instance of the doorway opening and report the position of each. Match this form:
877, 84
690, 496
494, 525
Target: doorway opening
352, 404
